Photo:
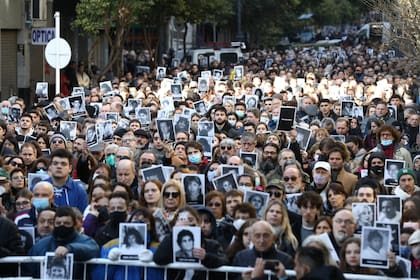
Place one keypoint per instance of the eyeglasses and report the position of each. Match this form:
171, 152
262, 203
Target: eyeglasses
216, 204
276, 194
226, 148
346, 222
22, 203
41, 169
171, 194
293, 178
57, 141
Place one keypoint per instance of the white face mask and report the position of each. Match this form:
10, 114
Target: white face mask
232, 122
238, 223
244, 188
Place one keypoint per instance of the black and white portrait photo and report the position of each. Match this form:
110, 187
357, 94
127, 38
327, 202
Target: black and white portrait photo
205, 74
160, 73
185, 239
166, 129
389, 209
167, 103
163, 114
225, 183
132, 239
51, 111
258, 200
34, 178
347, 108
194, 188
132, 105
303, 136
239, 72
181, 123
358, 112
395, 235
207, 143
392, 167
203, 84
41, 90
77, 105
188, 111
251, 101
364, 214
15, 113
105, 86
112, 116
176, 90
200, 107
375, 246
104, 130
58, 268
217, 74
392, 111
268, 62
143, 115
69, 129
91, 136
183, 75
250, 158
286, 118
339, 138
153, 173
78, 91
235, 169
140, 69
206, 128
65, 104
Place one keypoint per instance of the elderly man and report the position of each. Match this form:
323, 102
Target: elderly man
45, 223
126, 174
321, 174
263, 238
344, 227
227, 149
406, 183
43, 196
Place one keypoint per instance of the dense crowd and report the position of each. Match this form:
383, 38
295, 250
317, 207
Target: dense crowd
305, 159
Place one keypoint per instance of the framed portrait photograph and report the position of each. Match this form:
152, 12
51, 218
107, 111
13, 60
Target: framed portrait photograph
393, 111
183, 75
339, 138
78, 91
207, 143
225, 183
112, 116
291, 199
41, 90
188, 112
132, 239
142, 69
91, 136
364, 214
392, 166
50, 110
143, 115
165, 129
77, 105
105, 131
203, 84
286, 118
58, 268
200, 107
217, 74
185, 239
303, 137
160, 73
375, 246
235, 169
251, 101
395, 235
27, 236
176, 90
65, 104
153, 173
205, 74
258, 92
358, 113
250, 158
167, 103
239, 72
206, 128
257, 199
347, 108
194, 188
163, 114
132, 105
229, 98
35, 178
389, 209
182, 123
268, 62
69, 129
105, 87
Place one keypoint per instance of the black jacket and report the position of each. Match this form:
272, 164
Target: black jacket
215, 257
10, 245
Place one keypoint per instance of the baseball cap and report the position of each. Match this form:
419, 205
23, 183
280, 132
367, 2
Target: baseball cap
414, 238
324, 165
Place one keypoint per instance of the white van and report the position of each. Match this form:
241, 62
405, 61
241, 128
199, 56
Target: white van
204, 57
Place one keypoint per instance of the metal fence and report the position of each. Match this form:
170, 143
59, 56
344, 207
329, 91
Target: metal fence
223, 269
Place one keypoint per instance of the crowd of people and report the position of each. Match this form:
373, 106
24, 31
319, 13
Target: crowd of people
88, 185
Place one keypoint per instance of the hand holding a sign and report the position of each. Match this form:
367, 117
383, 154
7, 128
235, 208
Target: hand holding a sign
199, 253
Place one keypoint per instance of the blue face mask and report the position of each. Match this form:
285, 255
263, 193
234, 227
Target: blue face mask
386, 142
5, 110
405, 251
211, 175
240, 114
110, 160
275, 118
40, 203
195, 159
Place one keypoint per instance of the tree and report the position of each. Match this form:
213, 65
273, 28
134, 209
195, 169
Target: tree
404, 17
112, 19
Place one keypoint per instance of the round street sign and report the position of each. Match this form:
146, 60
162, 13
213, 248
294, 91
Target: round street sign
58, 53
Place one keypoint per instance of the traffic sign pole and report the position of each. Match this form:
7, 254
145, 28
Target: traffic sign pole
57, 69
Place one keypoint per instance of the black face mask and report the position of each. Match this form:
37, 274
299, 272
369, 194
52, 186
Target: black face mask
103, 214
377, 170
117, 217
323, 157
63, 232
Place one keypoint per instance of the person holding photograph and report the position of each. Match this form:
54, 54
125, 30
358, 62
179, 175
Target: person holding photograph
363, 215
133, 240
58, 269
193, 190
375, 246
258, 202
389, 212
392, 171
210, 253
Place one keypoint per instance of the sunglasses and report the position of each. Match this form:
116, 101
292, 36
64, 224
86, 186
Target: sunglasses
217, 204
226, 148
14, 163
171, 194
293, 178
276, 194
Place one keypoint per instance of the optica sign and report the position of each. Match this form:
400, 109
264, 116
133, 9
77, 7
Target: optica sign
41, 36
